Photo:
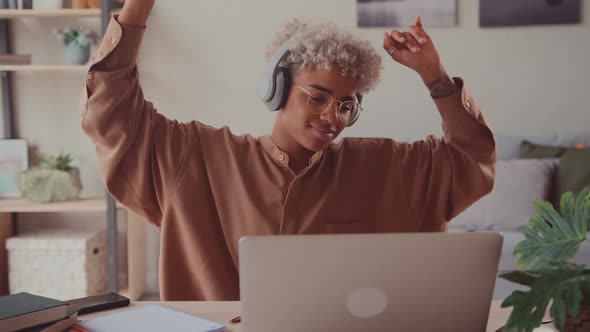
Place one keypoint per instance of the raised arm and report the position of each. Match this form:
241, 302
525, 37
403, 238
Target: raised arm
443, 176
136, 12
139, 151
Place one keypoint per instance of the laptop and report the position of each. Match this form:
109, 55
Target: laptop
368, 282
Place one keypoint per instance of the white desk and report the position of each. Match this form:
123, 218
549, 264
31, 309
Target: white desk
222, 312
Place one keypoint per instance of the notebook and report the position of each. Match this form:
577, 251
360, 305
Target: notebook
58, 326
24, 310
151, 318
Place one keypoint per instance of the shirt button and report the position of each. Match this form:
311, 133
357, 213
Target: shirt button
113, 40
282, 157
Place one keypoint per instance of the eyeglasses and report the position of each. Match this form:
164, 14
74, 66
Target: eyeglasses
319, 102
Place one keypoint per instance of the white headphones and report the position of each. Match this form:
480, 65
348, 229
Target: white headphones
275, 84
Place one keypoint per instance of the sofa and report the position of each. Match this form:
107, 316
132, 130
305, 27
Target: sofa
508, 207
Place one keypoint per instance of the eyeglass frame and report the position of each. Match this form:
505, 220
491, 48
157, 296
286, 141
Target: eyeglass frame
332, 101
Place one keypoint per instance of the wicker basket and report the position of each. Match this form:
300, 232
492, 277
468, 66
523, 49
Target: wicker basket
580, 323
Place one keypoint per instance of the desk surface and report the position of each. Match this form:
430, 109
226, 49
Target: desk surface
222, 312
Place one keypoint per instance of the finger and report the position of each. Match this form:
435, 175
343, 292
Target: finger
421, 27
398, 36
389, 42
411, 43
419, 22
418, 35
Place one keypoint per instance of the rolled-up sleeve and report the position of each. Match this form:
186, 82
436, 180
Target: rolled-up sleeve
137, 169
444, 176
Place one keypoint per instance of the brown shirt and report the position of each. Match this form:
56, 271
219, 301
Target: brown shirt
204, 188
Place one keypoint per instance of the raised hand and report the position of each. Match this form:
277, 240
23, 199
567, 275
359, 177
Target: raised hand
414, 49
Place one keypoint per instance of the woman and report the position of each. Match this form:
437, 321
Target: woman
204, 188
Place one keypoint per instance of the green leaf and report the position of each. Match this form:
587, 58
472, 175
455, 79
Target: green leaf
61, 162
551, 238
525, 278
573, 299
561, 287
583, 201
567, 205
558, 312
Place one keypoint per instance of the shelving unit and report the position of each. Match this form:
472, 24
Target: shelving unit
38, 13
21, 205
61, 68
9, 207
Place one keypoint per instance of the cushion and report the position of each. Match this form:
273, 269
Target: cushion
574, 166
508, 206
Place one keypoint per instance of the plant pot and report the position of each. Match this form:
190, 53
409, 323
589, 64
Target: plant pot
76, 55
49, 185
580, 323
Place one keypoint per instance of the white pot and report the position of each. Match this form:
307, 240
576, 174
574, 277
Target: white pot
76, 55
49, 185
47, 4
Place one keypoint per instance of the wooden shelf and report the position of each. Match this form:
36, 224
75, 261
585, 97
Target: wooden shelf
66, 12
82, 205
37, 68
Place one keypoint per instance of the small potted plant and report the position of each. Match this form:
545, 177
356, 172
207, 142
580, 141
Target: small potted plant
551, 240
77, 41
55, 179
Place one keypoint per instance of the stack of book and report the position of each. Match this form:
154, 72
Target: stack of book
15, 59
28, 312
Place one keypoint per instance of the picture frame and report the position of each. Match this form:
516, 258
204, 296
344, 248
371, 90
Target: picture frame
14, 158
507, 13
401, 13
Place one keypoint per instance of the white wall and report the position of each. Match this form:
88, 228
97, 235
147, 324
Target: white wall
202, 59
526, 79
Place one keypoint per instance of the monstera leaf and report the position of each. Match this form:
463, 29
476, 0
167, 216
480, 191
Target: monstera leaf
563, 287
552, 238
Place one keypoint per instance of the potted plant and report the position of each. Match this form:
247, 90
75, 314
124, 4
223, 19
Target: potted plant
552, 238
55, 179
77, 41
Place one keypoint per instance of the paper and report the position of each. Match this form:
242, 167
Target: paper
151, 318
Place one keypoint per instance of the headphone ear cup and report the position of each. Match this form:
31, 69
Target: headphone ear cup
265, 88
282, 88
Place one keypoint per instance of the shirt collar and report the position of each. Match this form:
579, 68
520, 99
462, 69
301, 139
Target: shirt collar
281, 156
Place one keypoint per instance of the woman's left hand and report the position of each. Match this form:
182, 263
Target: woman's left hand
414, 49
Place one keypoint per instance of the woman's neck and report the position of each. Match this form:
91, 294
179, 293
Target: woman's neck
298, 155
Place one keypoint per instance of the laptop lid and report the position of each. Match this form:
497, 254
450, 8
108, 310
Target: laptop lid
368, 282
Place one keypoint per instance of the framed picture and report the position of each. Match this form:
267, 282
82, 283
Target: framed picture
401, 13
499, 13
14, 158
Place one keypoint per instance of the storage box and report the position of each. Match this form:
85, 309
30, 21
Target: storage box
61, 264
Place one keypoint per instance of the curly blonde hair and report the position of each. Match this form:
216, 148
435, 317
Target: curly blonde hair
323, 44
